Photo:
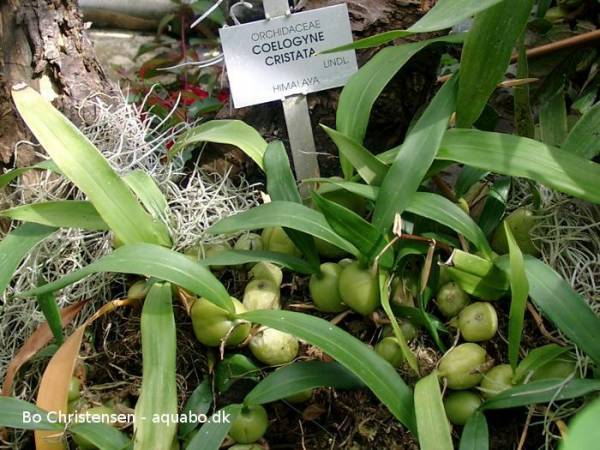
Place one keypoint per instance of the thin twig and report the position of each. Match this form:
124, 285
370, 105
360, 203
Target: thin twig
445, 188
540, 324
341, 316
525, 428
543, 50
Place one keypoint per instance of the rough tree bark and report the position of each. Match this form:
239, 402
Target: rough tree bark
44, 44
393, 112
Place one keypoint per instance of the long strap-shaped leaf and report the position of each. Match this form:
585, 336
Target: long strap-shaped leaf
519, 289
433, 426
84, 165
212, 434
475, 435
299, 377
237, 257
159, 389
60, 214
349, 225
384, 296
232, 132
443, 211
351, 353
359, 95
9, 176
281, 186
152, 261
148, 192
414, 158
366, 164
445, 14
433, 207
523, 157
101, 435
543, 391
562, 305
537, 358
486, 55
583, 140
283, 214
14, 413
553, 120
16, 245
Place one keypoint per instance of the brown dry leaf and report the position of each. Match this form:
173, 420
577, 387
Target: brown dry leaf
314, 411
52, 395
38, 340
54, 387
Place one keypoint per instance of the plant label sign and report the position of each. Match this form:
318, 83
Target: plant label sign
276, 58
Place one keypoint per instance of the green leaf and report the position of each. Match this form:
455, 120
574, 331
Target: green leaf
522, 157
351, 353
233, 368
361, 91
364, 190
543, 391
486, 55
9, 176
495, 205
232, 132
519, 290
523, 115
356, 230
198, 403
283, 214
583, 429
414, 158
148, 192
433, 426
16, 245
101, 435
60, 214
159, 387
431, 206
553, 120
151, 261
475, 435
444, 14
557, 300
238, 257
583, 140
299, 377
443, 211
84, 165
447, 13
281, 186
423, 319
537, 358
48, 305
467, 178
384, 295
485, 288
212, 434
13, 411
366, 164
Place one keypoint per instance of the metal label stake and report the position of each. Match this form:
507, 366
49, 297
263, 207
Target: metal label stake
278, 59
297, 118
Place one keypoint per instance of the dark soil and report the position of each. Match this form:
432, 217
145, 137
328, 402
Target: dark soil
330, 420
